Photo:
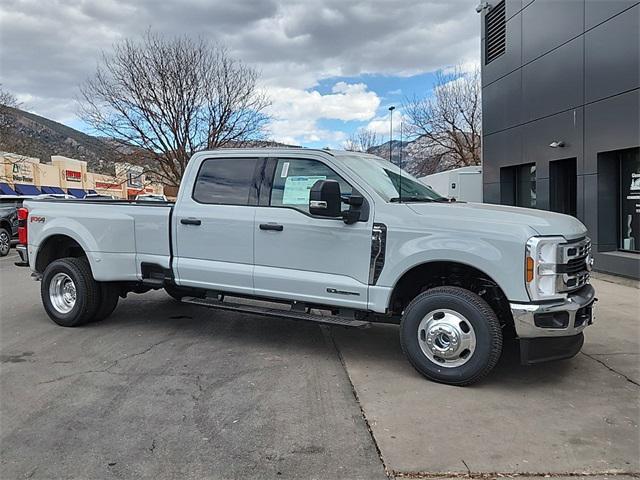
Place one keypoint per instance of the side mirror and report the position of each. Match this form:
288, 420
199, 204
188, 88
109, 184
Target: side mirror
324, 199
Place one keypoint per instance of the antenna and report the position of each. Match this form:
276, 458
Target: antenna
391, 109
401, 124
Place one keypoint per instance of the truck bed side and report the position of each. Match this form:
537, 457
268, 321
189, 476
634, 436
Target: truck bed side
117, 237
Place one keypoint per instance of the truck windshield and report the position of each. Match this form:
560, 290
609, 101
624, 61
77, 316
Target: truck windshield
386, 179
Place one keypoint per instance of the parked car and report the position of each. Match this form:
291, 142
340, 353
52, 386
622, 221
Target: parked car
152, 197
9, 205
334, 237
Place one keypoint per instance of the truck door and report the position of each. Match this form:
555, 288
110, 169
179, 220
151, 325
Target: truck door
304, 257
214, 226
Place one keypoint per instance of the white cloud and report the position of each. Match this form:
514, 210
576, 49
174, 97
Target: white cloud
296, 112
381, 125
50, 47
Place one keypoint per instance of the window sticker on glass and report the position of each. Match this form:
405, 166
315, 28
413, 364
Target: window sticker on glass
297, 187
285, 170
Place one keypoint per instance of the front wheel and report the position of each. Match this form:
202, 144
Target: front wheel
451, 335
5, 242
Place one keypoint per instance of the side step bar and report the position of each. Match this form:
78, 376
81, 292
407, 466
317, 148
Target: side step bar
276, 312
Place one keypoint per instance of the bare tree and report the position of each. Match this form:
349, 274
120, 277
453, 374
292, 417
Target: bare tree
172, 97
362, 140
448, 123
8, 99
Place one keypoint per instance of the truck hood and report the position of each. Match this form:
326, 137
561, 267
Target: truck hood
541, 221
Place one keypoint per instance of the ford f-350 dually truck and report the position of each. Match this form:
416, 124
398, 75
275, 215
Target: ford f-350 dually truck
334, 237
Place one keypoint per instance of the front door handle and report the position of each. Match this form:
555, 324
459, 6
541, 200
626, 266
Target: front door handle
190, 221
271, 226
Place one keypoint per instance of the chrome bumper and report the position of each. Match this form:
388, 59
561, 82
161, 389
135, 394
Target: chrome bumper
578, 306
24, 256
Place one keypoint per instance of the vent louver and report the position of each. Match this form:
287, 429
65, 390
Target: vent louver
495, 32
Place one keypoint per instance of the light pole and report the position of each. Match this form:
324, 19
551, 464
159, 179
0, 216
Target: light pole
391, 109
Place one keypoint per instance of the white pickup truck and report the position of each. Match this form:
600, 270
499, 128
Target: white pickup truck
333, 237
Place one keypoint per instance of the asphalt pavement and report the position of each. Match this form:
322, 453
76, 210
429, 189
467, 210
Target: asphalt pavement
165, 390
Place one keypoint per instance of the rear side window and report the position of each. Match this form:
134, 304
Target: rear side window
227, 181
293, 181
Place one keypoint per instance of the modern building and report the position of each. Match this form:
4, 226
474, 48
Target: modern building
23, 175
561, 108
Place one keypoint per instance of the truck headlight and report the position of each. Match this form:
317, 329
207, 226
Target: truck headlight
541, 263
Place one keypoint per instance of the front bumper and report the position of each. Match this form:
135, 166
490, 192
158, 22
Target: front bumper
531, 319
553, 331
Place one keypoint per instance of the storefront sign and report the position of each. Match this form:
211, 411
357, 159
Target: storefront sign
73, 176
107, 186
22, 172
134, 179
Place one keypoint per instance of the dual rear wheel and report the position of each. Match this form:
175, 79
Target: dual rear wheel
70, 295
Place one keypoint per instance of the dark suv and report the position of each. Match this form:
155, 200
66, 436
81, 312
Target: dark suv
9, 205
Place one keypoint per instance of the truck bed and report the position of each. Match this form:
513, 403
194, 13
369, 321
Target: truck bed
117, 235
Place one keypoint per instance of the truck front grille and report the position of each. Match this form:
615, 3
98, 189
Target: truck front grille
574, 265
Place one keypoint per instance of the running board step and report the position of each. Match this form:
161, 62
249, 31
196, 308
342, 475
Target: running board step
276, 312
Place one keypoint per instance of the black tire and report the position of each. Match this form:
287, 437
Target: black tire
485, 327
87, 292
5, 242
109, 296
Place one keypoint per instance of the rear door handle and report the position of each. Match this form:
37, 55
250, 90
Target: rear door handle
271, 226
190, 221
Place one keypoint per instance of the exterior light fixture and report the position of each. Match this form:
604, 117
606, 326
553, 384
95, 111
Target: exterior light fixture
482, 6
557, 144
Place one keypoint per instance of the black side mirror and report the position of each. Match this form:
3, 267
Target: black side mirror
324, 199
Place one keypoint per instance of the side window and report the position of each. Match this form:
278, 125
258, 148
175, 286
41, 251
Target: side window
227, 181
294, 178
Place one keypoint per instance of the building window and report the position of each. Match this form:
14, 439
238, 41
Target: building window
495, 33
518, 185
629, 237
563, 186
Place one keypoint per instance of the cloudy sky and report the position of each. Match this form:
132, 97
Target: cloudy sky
330, 66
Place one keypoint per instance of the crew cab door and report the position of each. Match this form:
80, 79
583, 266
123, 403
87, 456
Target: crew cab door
214, 226
304, 257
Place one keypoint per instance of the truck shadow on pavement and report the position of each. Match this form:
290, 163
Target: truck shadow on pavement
376, 348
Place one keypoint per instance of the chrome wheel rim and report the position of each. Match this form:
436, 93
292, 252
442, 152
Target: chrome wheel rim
446, 338
4, 242
62, 292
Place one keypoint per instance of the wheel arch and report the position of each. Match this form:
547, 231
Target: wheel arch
55, 247
6, 224
437, 273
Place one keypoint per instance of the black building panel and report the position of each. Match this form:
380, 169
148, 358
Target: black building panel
513, 7
491, 193
501, 150
598, 11
611, 124
511, 59
501, 103
576, 80
553, 83
547, 24
538, 135
612, 56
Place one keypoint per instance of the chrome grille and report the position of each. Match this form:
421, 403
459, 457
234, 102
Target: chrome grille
574, 265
